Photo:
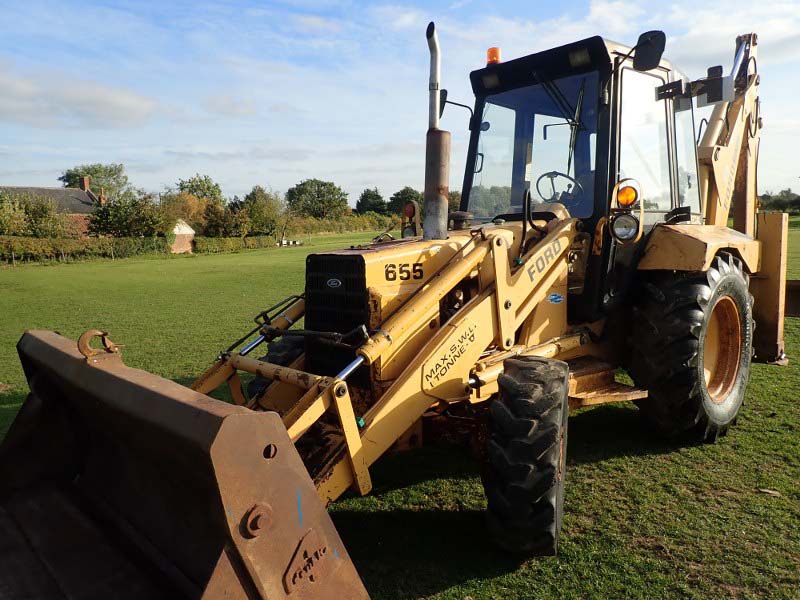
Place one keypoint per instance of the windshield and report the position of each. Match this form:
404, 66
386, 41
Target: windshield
539, 138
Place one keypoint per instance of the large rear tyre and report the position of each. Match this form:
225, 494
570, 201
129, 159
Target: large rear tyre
283, 351
692, 342
526, 458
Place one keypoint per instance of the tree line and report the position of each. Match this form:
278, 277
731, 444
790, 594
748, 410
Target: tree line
784, 201
127, 211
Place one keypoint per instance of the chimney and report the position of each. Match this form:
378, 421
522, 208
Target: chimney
102, 198
84, 184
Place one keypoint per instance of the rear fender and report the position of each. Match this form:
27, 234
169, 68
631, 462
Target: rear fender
693, 248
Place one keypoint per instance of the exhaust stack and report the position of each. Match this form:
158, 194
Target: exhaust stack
437, 153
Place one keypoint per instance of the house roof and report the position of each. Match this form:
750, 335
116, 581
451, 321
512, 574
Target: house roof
67, 200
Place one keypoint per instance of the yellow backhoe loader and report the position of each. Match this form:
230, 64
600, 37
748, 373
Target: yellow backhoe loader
592, 237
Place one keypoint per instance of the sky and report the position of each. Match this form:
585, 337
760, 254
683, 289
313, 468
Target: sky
271, 93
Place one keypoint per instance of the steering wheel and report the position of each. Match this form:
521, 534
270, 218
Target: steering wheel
552, 175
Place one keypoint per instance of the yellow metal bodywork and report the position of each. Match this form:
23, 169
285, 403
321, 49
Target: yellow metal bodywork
693, 248
728, 152
509, 295
768, 287
512, 305
441, 368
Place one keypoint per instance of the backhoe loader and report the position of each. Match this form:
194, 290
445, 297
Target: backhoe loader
592, 238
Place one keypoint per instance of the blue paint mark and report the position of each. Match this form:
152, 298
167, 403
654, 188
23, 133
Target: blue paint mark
335, 553
299, 507
555, 298
230, 513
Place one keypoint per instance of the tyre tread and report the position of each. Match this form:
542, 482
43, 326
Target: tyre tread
524, 494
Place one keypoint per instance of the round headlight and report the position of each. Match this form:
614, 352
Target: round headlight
625, 227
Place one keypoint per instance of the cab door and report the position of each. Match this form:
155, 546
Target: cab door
644, 151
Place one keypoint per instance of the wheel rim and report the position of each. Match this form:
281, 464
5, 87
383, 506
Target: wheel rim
722, 349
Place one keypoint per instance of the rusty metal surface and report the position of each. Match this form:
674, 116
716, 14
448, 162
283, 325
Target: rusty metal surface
50, 549
86, 349
267, 370
117, 483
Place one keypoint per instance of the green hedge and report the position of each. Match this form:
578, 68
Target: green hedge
213, 245
27, 249
371, 221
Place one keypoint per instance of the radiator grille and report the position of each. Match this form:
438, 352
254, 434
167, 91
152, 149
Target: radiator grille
336, 300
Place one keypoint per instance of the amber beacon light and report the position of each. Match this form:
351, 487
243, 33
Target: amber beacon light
627, 196
493, 56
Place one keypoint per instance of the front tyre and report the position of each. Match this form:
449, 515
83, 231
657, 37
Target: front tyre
692, 345
526, 458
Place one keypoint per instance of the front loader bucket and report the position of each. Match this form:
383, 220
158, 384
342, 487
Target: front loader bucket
116, 483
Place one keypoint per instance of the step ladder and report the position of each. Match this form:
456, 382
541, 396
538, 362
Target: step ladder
592, 382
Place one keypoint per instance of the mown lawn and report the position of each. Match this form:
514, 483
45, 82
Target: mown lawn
644, 518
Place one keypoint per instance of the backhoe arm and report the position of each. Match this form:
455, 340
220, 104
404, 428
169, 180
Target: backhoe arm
728, 158
728, 151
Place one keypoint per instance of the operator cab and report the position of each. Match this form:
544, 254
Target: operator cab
574, 125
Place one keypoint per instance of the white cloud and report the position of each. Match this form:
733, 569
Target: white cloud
397, 17
321, 88
316, 22
699, 46
48, 99
232, 106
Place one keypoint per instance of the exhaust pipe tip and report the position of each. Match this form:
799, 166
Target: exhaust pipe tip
431, 30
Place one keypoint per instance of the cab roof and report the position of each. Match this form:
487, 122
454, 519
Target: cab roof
591, 54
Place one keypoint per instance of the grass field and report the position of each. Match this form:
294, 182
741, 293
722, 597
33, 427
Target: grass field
643, 518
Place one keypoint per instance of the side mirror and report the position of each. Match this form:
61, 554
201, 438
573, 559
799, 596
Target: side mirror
648, 50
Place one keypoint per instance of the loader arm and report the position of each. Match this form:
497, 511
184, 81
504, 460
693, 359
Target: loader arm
449, 367
441, 371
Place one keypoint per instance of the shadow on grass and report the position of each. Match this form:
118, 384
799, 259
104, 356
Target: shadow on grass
399, 552
407, 553
404, 469
613, 431
402, 552
594, 435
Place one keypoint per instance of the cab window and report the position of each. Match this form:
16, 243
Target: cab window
644, 150
540, 139
686, 146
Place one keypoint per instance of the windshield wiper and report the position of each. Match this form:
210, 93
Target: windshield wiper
576, 125
570, 115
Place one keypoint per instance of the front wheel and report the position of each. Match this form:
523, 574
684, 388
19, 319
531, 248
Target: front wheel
526, 458
692, 345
